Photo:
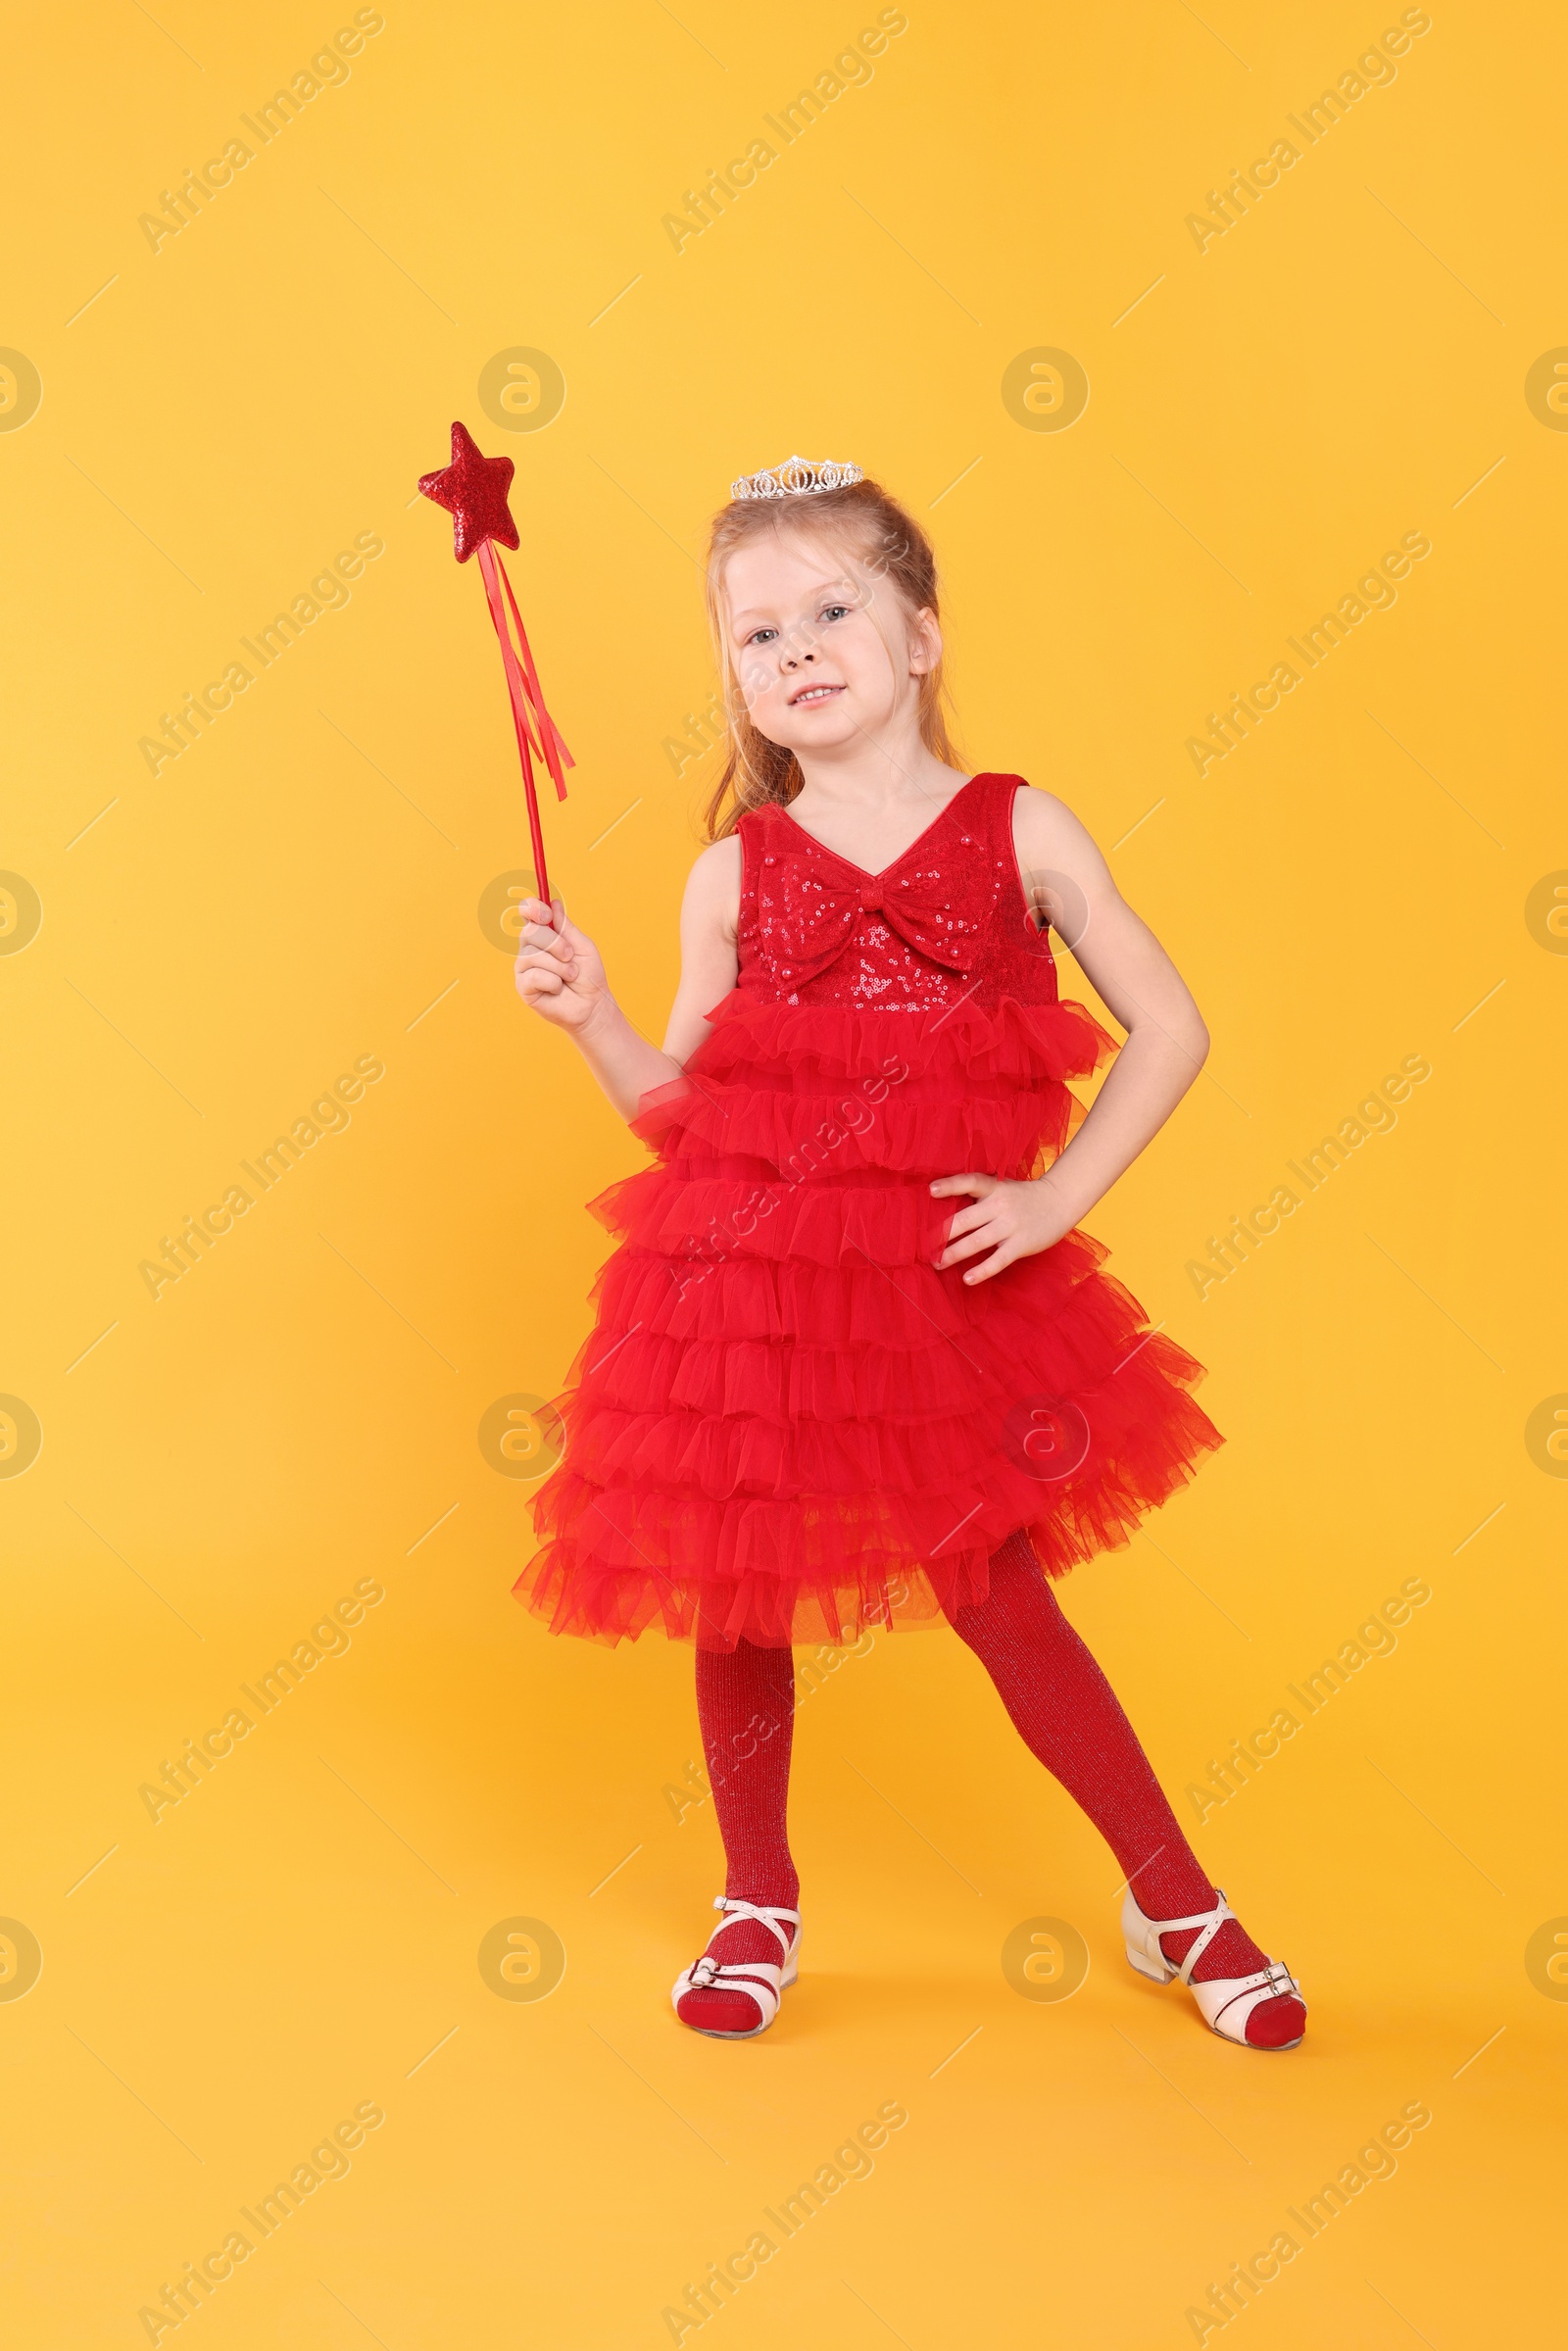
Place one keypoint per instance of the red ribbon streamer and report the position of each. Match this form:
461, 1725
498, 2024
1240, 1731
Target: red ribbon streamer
538, 736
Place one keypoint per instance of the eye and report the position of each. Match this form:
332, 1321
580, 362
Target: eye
835, 612
760, 636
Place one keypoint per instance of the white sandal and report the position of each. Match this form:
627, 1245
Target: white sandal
1225, 2002
760, 1979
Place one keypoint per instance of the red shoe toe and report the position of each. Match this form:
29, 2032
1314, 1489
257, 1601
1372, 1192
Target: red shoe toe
1276, 2023
715, 2011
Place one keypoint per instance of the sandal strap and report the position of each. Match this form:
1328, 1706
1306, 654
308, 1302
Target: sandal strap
766, 1915
706, 1972
760, 1979
1208, 1922
1210, 1926
1233, 1999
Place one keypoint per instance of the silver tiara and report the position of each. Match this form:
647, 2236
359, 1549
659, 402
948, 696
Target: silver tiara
796, 477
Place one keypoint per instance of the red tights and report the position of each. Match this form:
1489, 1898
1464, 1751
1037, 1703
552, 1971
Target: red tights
1066, 1714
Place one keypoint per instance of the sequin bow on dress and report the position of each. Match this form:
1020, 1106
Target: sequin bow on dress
816, 916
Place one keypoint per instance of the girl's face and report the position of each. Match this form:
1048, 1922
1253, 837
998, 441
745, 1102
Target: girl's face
806, 629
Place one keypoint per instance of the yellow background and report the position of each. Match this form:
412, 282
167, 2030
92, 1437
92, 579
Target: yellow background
217, 419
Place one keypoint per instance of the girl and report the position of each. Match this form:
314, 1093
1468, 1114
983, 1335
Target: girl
856, 1364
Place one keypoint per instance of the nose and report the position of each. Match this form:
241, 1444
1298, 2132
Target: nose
792, 659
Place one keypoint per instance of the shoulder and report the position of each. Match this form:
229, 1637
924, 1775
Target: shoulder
1059, 857
714, 885
1042, 820
1033, 805
718, 865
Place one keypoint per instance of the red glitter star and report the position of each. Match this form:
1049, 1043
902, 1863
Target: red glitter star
473, 490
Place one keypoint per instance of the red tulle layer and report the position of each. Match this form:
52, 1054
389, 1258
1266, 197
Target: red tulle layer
786, 1423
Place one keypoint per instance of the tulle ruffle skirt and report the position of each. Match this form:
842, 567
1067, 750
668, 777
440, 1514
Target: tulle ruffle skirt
787, 1425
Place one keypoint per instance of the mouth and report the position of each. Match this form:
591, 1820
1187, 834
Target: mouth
813, 694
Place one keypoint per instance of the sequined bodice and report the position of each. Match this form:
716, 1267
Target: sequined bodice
945, 923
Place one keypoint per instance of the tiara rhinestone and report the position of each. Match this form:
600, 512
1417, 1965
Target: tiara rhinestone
796, 477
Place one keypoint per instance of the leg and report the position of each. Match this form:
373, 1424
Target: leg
1066, 1713
746, 1706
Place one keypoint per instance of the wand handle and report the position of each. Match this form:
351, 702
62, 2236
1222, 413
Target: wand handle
519, 695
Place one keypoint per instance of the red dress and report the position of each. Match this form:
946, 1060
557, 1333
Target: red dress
787, 1425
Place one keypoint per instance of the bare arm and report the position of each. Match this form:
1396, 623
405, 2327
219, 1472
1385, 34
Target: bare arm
560, 972
1166, 1046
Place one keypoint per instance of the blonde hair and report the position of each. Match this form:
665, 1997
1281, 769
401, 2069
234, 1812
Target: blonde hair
890, 545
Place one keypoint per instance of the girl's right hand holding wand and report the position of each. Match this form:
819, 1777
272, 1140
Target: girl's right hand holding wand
558, 969
560, 975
